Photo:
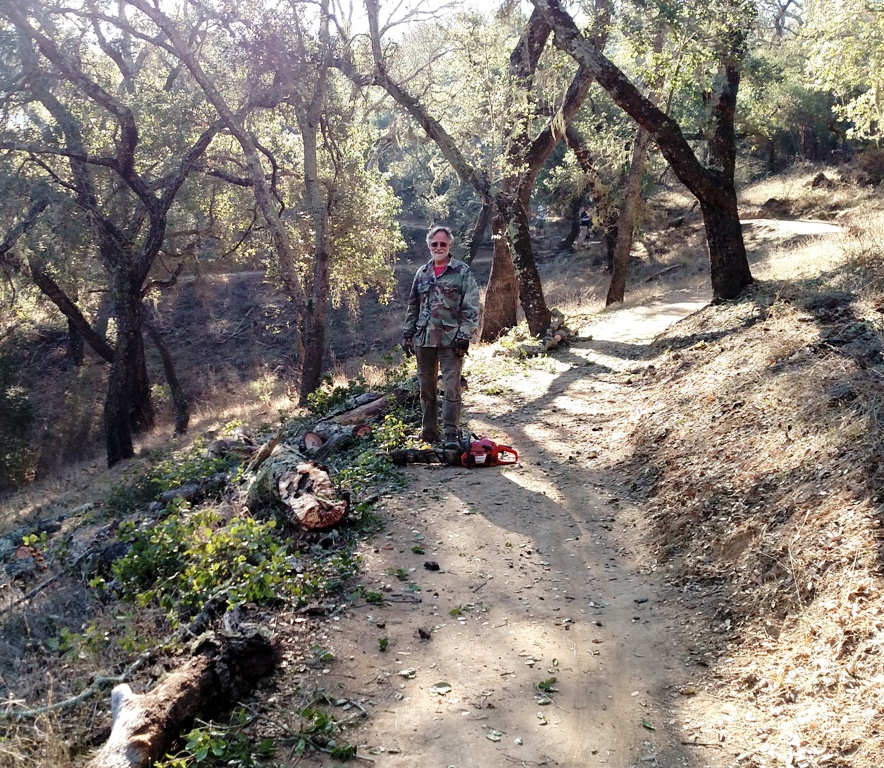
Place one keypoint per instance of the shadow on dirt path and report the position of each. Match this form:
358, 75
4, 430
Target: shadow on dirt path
546, 636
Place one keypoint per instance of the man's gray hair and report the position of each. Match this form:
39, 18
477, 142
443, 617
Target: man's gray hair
435, 230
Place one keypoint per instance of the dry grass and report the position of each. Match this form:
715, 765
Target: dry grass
770, 495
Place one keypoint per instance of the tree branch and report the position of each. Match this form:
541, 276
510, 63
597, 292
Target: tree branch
665, 131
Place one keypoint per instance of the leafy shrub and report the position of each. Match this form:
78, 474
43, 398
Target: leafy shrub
212, 744
182, 561
167, 472
328, 397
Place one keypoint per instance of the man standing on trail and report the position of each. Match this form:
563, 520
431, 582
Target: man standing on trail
442, 315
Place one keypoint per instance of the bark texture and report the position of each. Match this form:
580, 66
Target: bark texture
499, 310
144, 726
288, 480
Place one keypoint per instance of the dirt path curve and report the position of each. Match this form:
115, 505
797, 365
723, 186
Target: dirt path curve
542, 583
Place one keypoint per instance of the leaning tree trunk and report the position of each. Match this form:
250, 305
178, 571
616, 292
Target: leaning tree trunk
502, 294
619, 264
76, 346
127, 406
179, 399
713, 186
482, 221
729, 266
574, 218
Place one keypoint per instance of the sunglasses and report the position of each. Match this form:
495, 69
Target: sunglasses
439, 245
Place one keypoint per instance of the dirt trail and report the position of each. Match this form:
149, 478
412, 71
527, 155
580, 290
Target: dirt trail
542, 575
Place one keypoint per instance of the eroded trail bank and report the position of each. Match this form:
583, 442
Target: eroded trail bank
521, 618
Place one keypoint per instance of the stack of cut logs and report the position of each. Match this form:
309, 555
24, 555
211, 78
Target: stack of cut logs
555, 335
292, 476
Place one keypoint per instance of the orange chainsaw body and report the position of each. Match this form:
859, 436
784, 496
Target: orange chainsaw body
484, 452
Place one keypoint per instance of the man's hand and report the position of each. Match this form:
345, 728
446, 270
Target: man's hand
461, 347
408, 346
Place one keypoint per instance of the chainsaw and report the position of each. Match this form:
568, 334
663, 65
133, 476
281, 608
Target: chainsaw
484, 452
473, 451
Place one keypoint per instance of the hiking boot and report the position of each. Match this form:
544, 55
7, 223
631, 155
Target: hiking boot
429, 437
452, 443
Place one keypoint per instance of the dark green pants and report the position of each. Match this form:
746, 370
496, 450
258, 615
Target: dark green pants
431, 361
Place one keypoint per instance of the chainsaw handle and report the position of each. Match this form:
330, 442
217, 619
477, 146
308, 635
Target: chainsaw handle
503, 454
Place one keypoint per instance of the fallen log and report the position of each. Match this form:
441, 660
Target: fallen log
555, 335
379, 407
354, 402
448, 456
302, 487
327, 438
145, 725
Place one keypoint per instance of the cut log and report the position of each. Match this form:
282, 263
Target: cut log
312, 441
312, 497
327, 438
381, 406
340, 441
354, 402
368, 411
288, 479
146, 725
448, 456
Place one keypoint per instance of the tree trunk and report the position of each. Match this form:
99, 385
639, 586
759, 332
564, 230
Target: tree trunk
179, 399
76, 346
619, 264
313, 336
127, 405
146, 725
502, 294
320, 194
727, 253
531, 296
607, 211
479, 232
142, 415
574, 217
57, 296
713, 186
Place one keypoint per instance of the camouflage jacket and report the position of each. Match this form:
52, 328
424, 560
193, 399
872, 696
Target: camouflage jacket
442, 309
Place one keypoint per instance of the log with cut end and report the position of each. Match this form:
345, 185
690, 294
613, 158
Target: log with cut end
327, 438
145, 725
304, 488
